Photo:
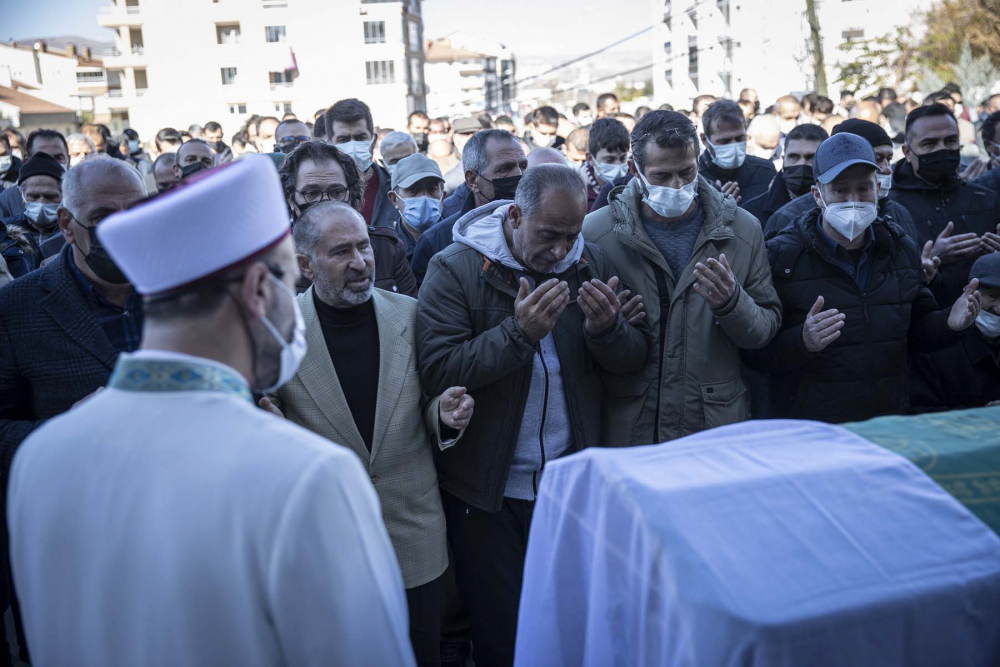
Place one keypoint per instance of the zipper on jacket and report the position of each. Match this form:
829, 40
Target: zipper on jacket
541, 427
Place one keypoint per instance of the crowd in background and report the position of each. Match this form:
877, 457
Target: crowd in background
547, 283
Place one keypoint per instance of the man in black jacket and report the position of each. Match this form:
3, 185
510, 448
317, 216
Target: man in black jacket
854, 300
796, 176
522, 313
959, 217
888, 210
494, 162
63, 326
725, 162
967, 374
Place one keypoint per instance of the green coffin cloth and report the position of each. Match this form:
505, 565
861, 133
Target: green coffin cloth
959, 450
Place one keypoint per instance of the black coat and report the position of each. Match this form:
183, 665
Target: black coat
753, 177
972, 208
863, 373
766, 204
965, 375
52, 351
11, 203
990, 180
888, 211
467, 336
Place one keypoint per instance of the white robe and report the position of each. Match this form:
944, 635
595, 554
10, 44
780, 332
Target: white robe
192, 528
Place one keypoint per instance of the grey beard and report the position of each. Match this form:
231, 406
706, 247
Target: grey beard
341, 295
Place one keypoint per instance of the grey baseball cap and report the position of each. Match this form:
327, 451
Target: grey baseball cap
414, 168
987, 269
840, 152
466, 125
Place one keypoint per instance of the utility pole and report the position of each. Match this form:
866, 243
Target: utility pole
819, 63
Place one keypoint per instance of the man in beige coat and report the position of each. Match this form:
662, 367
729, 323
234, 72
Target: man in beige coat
701, 267
359, 387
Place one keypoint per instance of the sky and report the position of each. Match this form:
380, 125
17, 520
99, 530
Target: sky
529, 27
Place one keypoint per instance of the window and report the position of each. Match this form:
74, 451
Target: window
141, 83
416, 76
114, 83
274, 34
374, 32
228, 76
87, 78
380, 71
135, 38
237, 108
693, 14
668, 49
228, 33
693, 57
855, 33
282, 107
667, 13
414, 30
280, 79
668, 76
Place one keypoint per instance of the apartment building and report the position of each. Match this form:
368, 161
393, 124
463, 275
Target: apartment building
719, 47
179, 62
467, 75
70, 79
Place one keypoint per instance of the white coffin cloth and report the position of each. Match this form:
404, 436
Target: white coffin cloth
763, 543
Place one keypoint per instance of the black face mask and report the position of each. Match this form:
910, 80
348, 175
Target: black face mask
288, 147
191, 169
503, 188
939, 166
217, 146
798, 179
100, 262
421, 140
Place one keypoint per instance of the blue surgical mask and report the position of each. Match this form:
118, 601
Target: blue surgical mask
133, 145
421, 212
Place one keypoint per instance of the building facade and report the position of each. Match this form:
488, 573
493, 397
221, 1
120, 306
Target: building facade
179, 62
71, 78
467, 75
719, 47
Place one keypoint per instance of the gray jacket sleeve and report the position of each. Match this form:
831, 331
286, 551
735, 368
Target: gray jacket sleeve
448, 354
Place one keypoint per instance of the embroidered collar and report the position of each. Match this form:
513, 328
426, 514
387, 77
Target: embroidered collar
151, 374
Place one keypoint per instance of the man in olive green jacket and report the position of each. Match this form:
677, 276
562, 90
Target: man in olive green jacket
701, 267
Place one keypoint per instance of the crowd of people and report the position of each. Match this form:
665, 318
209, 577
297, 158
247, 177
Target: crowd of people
188, 324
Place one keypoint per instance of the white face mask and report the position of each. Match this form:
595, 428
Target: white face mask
17, 153
5, 162
42, 216
360, 151
610, 172
729, 156
292, 352
543, 140
988, 324
850, 219
884, 185
669, 202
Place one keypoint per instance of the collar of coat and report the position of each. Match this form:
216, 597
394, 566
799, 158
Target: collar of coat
904, 178
803, 234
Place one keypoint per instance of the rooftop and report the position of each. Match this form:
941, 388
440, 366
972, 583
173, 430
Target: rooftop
28, 103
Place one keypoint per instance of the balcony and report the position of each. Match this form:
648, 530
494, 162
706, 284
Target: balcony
116, 16
116, 58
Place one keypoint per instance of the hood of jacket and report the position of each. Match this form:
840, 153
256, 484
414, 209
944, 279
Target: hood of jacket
482, 230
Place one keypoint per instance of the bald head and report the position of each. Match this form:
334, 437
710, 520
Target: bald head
788, 107
103, 177
869, 110
545, 156
440, 149
764, 133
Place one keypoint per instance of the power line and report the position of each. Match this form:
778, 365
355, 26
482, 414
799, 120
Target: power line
585, 56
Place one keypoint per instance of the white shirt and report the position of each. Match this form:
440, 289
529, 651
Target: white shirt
192, 528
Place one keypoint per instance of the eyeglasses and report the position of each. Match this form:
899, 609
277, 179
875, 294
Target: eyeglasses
288, 144
336, 193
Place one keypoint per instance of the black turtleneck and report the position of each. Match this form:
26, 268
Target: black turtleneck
351, 336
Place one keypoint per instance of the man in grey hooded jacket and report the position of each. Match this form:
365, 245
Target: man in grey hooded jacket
524, 314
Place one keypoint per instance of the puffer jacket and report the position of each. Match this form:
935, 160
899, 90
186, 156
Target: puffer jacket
467, 336
888, 211
691, 380
973, 208
863, 373
754, 176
